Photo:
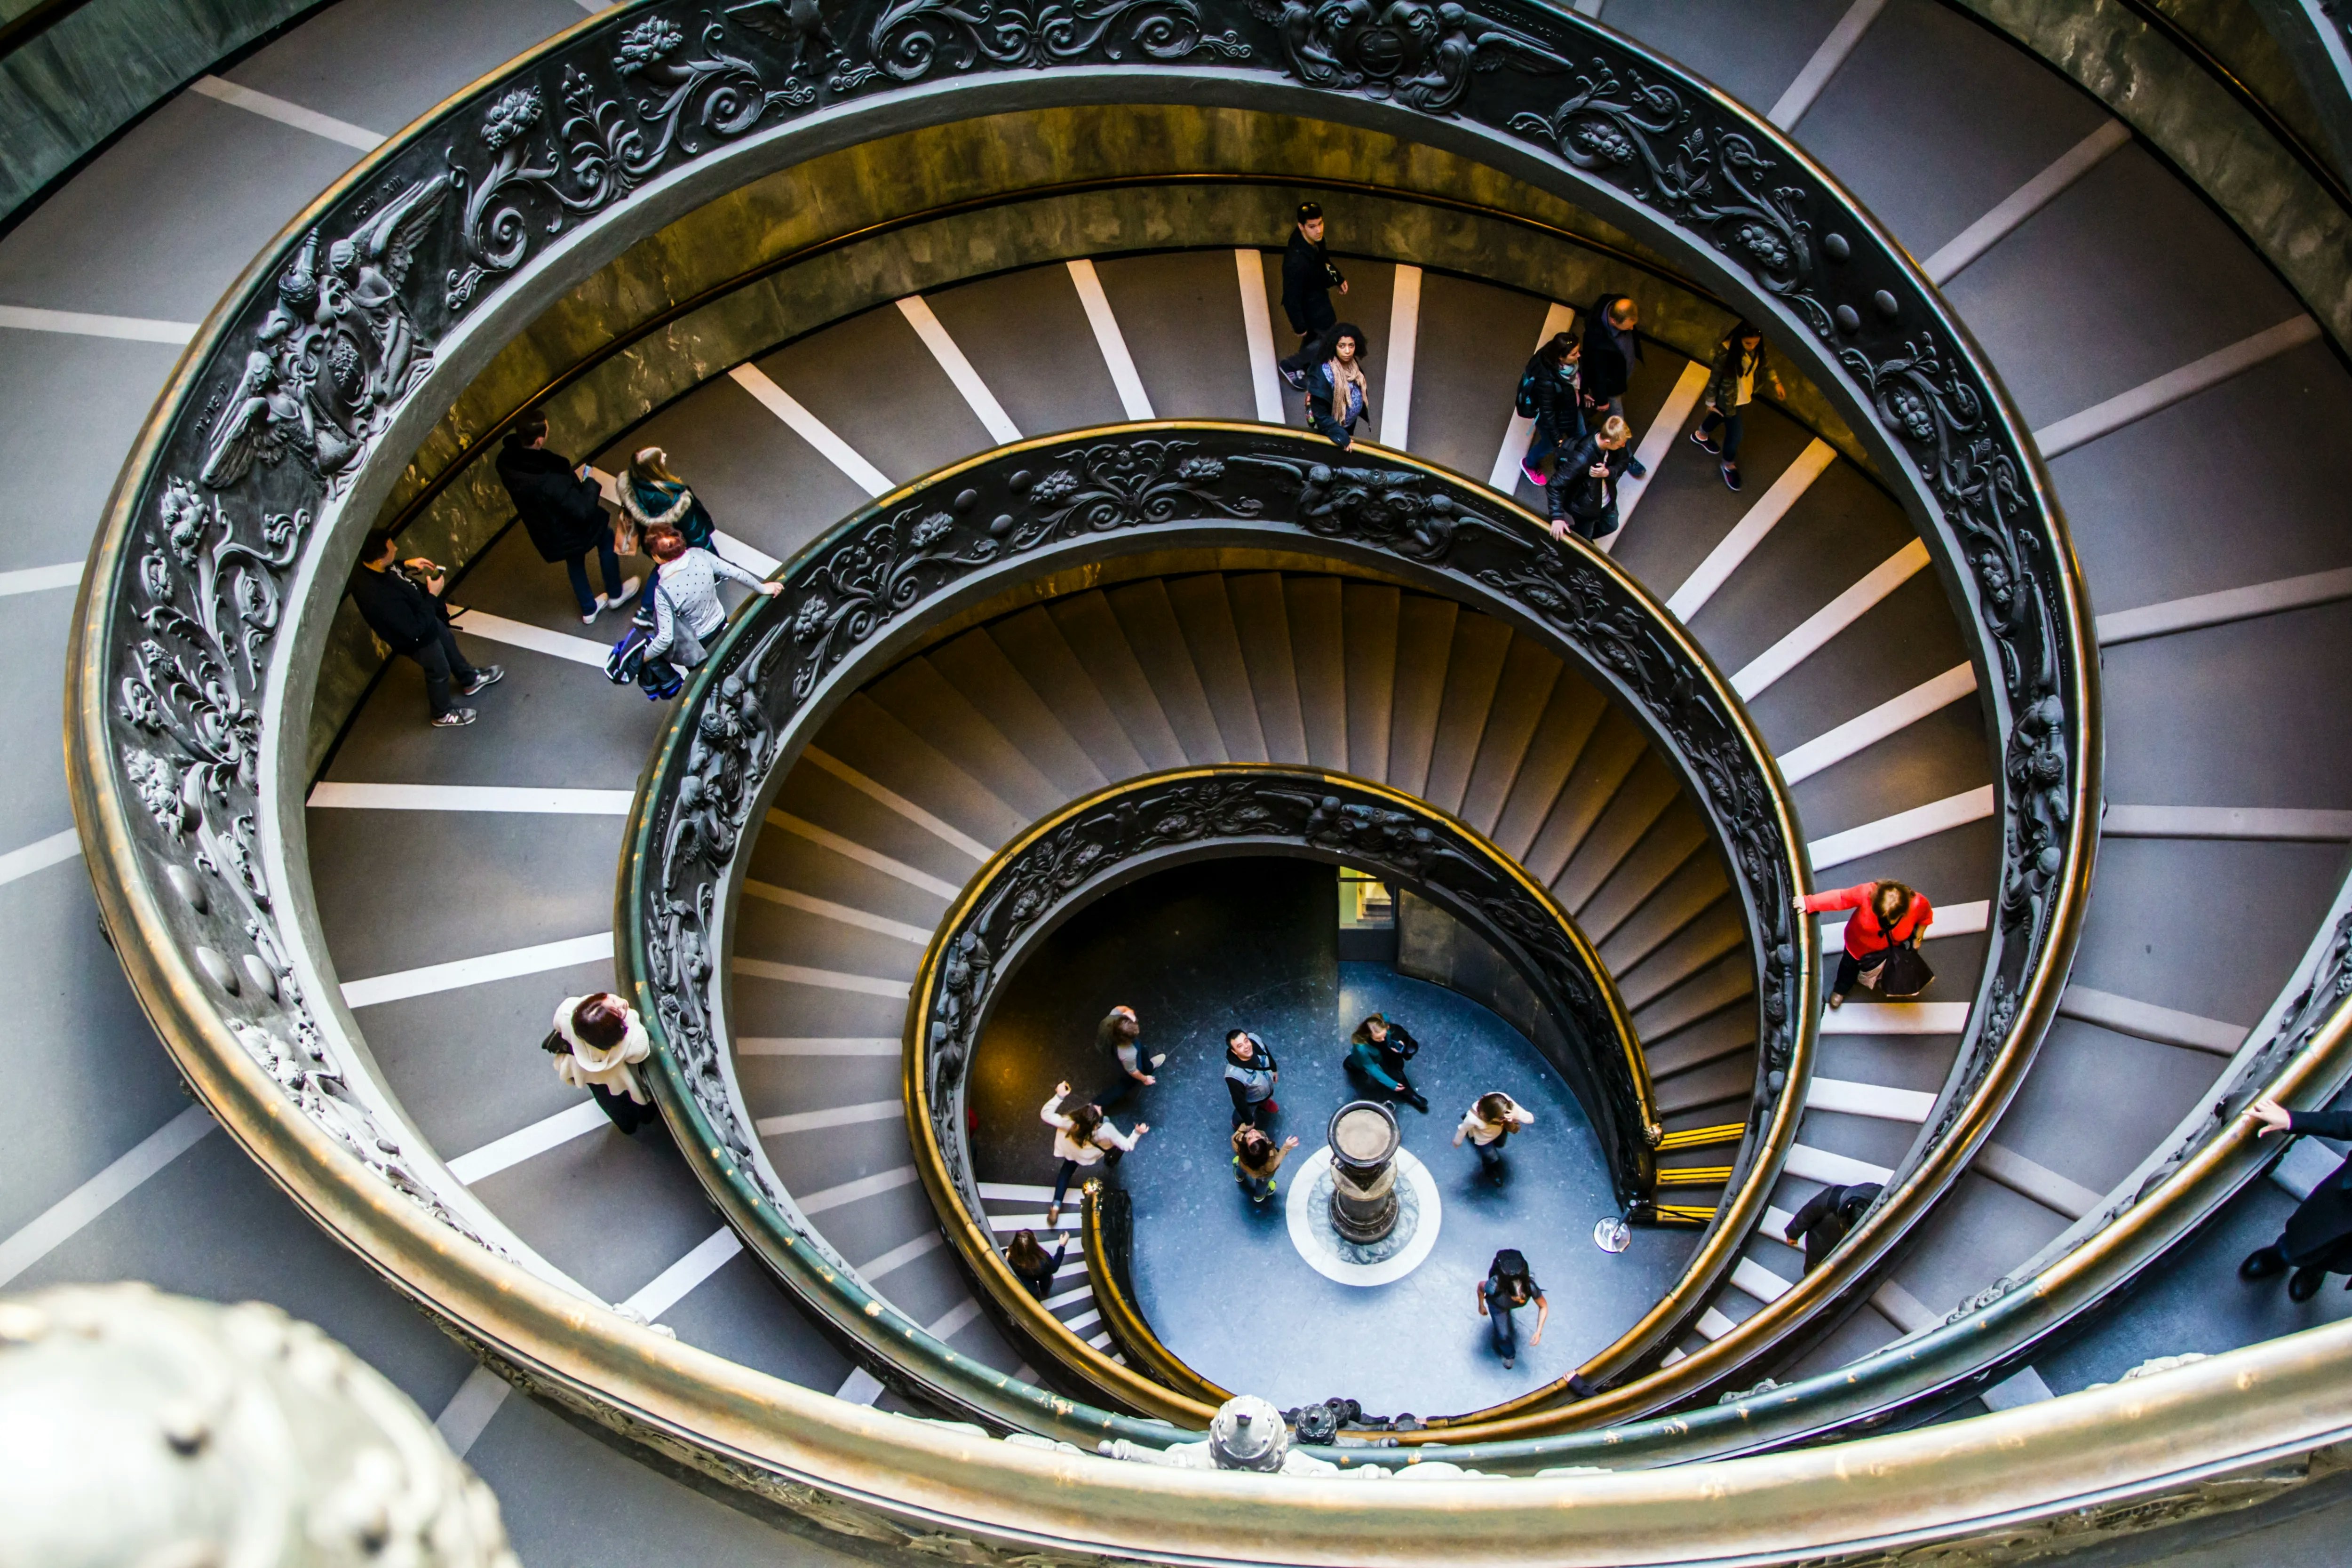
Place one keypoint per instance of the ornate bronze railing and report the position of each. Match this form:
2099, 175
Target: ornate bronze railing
239, 511
1161, 820
854, 602
1107, 1233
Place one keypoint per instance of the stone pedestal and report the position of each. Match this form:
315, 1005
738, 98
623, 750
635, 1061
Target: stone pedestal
1364, 1142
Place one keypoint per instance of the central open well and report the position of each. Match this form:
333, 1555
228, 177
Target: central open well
1254, 944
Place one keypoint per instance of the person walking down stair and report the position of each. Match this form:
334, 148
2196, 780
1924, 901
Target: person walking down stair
1377, 1052
561, 511
1612, 349
1336, 389
2317, 1240
1033, 1265
1739, 360
1882, 939
1552, 394
597, 1043
1583, 491
1307, 279
656, 498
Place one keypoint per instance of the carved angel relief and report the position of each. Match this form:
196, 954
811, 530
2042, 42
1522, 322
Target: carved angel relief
336, 353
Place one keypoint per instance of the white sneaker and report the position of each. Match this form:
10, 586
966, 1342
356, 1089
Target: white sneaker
590, 619
628, 591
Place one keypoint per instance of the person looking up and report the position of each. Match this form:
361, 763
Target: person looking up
401, 602
1116, 1038
1250, 1078
1256, 1158
1336, 388
1740, 359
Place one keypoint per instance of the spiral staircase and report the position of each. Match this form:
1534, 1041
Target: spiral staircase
2166, 325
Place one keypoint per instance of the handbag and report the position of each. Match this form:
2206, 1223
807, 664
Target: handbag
1902, 972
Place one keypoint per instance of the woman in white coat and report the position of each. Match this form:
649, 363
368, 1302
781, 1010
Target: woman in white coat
597, 1042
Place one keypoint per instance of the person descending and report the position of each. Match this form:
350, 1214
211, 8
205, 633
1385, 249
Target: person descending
1082, 1138
1307, 279
1882, 939
597, 1042
1739, 360
655, 499
1033, 1265
1336, 388
1549, 394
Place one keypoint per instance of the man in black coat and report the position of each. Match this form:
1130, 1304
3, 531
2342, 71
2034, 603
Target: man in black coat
2317, 1240
559, 509
1826, 1218
1611, 352
1307, 279
410, 618
1584, 489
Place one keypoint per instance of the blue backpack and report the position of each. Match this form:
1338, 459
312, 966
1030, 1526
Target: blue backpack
628, 661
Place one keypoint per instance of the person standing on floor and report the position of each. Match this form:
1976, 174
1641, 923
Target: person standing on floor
1488, 1124
1740, 359
1307, 279
1612, 349
1256, 1158
1116, 1038
1551, 385
2317, 1240
408, 614
561, 512
656, 498
1033, 1265
1826, 1217
1082, 1138
597, 1042
1886, 916
1506, 1287
1583, 493
1377, 1052
1336, 389
687, 611
1250, 1078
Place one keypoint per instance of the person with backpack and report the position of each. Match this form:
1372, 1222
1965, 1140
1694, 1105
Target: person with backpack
1377, 1052
1488, 1124
1583, 493
561, 510
1336, 389
401, 602
655, 499
1881, 939
1250, 1077
597, 1042
1551, 395
1506, 1287
1116, 1038
686, 605
1740, 359
1826, 1217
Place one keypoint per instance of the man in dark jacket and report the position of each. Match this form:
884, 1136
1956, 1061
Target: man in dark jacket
410, 618
1826, 1218
1611, 352
2317, 1240
1584, 490
558, 506
1307, 279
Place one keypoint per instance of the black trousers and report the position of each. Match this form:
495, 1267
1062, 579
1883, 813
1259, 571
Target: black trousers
625, 1113
442, 662
1320, 319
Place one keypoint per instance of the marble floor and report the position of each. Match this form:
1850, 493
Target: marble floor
1251, 943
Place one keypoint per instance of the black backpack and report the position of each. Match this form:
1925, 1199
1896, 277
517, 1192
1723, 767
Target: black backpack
1526, 403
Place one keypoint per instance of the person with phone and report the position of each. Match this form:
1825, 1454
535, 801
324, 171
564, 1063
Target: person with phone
410, 617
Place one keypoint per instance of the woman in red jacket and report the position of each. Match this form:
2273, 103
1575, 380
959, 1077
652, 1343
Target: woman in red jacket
1885, 915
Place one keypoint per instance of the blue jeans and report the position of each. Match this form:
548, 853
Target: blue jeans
1490, 1155
1733, 427
577, 567
1550, 438
1500, 1331
1259, 1188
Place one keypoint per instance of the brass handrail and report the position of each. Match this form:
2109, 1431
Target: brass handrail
1125, 1321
